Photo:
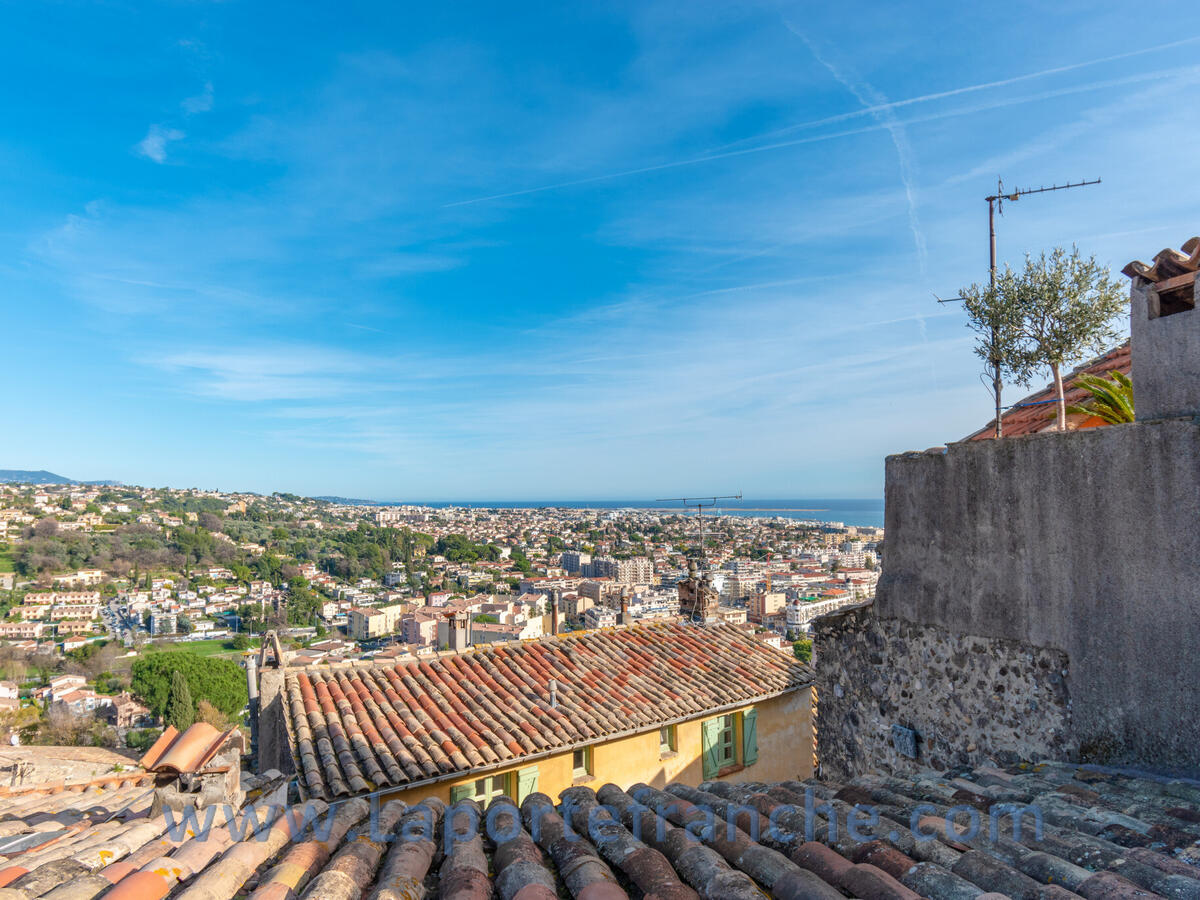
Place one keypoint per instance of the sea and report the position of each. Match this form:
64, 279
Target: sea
848, 512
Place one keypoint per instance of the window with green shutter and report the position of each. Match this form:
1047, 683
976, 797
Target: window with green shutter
527, 783
749, 737
710, 758
719, 744
481, 790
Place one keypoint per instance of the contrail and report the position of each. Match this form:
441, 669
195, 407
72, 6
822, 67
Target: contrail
955, 92
779, 145
885, 115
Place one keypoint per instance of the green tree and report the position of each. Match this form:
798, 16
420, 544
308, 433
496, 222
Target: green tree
802, 649
1069, 307
1060, 309
179, 712
1111, 398
219, 681
996, 321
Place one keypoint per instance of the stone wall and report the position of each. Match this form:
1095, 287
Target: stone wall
1085, 544
971, 700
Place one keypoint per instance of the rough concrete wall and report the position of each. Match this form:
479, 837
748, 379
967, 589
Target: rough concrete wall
1087, 542
274, 745
972, 700
1166, 356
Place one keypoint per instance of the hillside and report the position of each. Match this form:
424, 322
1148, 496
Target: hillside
41, 476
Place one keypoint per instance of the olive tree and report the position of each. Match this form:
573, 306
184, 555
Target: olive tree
1069, 310
1060, 309
996, 320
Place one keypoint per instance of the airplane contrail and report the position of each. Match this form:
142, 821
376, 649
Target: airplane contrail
779, 145
955, 92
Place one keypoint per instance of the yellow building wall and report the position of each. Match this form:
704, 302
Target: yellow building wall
785, 752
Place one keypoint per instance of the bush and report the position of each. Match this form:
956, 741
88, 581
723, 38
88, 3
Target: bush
803, 650
219, 681
142, 739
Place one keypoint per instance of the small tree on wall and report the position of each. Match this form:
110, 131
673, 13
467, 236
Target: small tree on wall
1059, 310
1069, 306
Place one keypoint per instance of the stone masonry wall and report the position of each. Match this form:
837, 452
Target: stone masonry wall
1079, 547
972, 700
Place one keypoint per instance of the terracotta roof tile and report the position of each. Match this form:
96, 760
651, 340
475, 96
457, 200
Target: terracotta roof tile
354, 729
186, 752
1169, 263
1036, 413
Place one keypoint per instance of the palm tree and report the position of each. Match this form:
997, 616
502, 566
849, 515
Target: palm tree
1111, 400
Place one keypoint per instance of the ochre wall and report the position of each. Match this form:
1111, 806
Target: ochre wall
785, 751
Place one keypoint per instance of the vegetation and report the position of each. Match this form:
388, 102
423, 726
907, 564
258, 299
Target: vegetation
180, 712
802, 649
219, 681
1060, 309
142, 738
1111, 398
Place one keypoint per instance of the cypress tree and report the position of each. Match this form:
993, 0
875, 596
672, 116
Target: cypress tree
180, 712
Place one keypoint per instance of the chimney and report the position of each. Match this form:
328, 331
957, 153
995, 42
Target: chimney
1164, 331
624, 619
553, 693
554, 613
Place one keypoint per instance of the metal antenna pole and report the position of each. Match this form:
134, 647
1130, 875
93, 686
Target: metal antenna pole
995, 204
700, 504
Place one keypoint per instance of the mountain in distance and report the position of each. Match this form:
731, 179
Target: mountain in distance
27, 476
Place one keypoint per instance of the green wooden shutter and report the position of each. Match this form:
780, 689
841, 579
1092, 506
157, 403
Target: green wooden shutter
709, 756
462, 792
527, 783
749, 737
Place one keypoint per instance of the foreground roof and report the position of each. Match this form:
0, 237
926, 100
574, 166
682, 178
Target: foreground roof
1037, 412
1106, 835
356, 729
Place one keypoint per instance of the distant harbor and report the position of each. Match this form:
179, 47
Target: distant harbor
846, 511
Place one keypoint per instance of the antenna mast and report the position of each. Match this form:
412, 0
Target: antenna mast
701, 504
995, 204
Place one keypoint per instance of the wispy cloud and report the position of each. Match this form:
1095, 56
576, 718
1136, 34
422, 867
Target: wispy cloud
200, 103
872, 99
1182, 72
154, 145
884, 105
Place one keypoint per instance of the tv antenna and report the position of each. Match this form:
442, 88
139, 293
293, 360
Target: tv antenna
701, 504
995, 204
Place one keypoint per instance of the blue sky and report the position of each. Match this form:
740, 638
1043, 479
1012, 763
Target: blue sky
561, 250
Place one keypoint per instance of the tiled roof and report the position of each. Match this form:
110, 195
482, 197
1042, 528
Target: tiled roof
354, 729
1036, 413
186, 752
1168, 264
1106, 835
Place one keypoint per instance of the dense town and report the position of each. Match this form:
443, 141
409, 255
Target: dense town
91, 577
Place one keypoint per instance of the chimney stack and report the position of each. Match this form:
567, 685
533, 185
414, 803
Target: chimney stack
624, 619
1164, 331
553, 693
554, 613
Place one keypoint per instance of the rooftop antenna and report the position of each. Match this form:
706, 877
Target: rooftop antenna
701, 504
995, 204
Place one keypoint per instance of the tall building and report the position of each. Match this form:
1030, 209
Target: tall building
636, 570
574, 561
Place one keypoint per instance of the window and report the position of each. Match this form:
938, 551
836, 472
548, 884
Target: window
729, 740
666, 740
482, 790
726, 743
581, 763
